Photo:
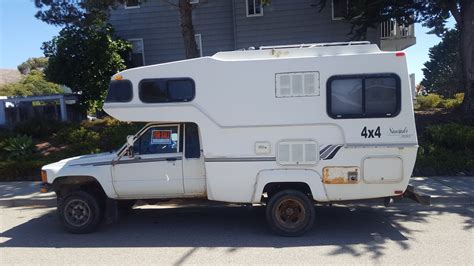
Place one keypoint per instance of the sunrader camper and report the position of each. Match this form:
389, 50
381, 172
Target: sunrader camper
282, 126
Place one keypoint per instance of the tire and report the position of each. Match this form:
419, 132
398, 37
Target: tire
79, 212
290, 213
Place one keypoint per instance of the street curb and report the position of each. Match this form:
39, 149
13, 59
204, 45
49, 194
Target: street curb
44, 202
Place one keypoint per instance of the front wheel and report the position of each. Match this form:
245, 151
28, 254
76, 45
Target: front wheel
290, 213
79, 212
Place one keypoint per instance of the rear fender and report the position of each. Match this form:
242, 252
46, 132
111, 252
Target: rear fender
307, 176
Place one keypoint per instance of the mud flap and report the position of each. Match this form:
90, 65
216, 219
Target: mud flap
111, 211
413, 194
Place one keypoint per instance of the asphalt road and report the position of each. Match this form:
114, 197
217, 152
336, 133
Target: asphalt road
238, 235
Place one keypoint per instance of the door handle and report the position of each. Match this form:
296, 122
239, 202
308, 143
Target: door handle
171, 159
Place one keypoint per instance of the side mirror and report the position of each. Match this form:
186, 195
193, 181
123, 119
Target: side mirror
130, 140
130, 146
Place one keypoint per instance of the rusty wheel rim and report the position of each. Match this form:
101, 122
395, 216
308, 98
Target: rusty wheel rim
290, 213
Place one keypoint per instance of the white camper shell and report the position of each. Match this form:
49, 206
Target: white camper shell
332, 122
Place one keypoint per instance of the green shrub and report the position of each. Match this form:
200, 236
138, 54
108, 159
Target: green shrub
431, 100
453, 136
83, 140
11, 170
19, 147
434, 100
114, 135
455, 102
39, 128
441, 160
446, 149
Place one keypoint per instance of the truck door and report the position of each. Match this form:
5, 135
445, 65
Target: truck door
155, 169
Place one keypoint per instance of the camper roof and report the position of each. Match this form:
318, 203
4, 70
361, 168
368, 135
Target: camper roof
300, 50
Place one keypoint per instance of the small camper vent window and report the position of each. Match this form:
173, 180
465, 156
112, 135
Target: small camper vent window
363, 96
297, 152
166, 90
297, 84
120, 91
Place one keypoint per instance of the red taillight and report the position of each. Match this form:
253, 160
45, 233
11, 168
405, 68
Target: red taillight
398, 192
400, 54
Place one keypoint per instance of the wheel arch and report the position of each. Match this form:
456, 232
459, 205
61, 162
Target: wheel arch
64, 184
274, 180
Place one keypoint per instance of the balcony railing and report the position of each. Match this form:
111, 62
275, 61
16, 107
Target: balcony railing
390, 29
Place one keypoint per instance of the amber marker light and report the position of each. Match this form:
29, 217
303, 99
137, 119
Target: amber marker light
118, 77
44, 176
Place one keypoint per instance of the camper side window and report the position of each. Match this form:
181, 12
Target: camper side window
363, 96
120, 91
166, 90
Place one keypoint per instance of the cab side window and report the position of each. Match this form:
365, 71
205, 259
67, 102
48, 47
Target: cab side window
158, 140
193, 146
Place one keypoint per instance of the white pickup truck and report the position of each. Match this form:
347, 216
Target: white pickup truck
283, 126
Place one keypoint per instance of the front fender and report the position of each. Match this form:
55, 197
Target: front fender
308, 176
100, 173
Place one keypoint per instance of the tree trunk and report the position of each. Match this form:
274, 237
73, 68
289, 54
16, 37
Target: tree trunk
467, 55
187, 28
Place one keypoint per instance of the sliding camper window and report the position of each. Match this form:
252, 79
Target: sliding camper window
120, 91
363, 96
166, 90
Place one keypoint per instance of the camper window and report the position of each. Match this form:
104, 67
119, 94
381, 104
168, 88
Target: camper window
166, 90
120, 91
363, 96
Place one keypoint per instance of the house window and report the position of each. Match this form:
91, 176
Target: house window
340, 8
166, 90
198, 39
363, 96
254, 8
129, 4
137, 56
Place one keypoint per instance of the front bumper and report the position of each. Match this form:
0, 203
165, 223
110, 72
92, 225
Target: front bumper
46, 187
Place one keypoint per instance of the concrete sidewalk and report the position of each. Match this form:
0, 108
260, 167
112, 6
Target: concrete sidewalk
444, 190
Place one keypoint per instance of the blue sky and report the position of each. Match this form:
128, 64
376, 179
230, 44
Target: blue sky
21, 36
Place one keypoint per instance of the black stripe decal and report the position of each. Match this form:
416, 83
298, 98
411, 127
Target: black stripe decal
147, 160
324, 149
328, 151
333, 153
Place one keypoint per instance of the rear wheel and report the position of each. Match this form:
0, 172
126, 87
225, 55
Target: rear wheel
79, 212
290, 213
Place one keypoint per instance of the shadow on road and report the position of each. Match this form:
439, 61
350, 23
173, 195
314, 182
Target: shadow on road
236, 227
